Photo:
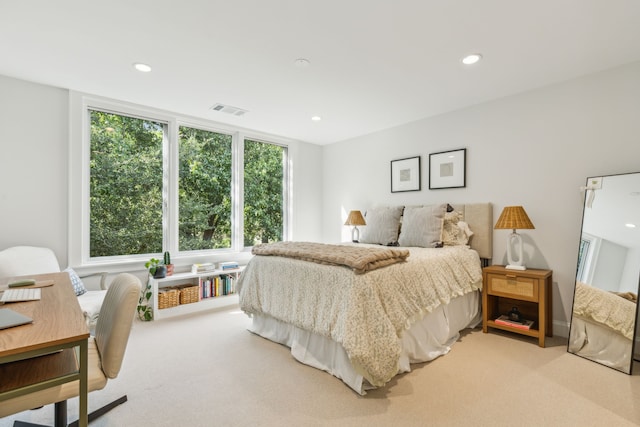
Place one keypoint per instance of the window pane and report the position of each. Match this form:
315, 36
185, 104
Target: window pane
125, 185
204, 190
263, 192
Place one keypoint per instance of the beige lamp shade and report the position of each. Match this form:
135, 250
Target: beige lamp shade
355, 218
514, 218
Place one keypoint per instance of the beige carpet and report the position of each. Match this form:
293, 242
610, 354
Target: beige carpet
208, 370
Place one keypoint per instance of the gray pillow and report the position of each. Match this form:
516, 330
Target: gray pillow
422, 226
383, 225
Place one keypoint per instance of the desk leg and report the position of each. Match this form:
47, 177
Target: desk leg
84, 383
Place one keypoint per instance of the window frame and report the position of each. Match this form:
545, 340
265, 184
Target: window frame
79, 156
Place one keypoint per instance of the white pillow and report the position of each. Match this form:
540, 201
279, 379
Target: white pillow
78, 286
422, 226
383, 224
455, 232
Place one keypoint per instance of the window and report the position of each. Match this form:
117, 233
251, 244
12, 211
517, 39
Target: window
264, 166
125, 192
204, 187
587, 255
144, 182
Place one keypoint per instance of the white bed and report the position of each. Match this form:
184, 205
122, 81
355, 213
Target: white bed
602, 327
403, 314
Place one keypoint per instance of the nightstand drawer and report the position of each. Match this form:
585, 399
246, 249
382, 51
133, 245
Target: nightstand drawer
507, 285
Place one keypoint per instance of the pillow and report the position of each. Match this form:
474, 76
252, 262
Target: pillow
78, 286
422, 226
454, 231
382, 226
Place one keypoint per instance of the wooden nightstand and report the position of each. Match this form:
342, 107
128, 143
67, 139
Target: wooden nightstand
528, 290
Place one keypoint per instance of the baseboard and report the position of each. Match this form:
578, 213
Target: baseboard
561, 328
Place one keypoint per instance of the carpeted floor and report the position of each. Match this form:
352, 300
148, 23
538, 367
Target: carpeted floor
208, 370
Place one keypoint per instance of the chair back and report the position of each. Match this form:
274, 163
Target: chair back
26, 260
114, 323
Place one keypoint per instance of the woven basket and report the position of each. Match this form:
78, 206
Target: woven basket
189, 294
168, 297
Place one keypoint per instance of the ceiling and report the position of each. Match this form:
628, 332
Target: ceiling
373, 64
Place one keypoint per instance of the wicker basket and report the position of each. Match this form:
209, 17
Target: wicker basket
189, 294
168, 297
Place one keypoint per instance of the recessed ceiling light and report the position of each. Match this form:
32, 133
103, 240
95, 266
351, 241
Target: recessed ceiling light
316, 118
144, 68
471, 59
302, 62
630, 225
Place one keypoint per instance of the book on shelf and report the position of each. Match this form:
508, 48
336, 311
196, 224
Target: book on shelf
203, 268
228, 265
218, 285
520, 324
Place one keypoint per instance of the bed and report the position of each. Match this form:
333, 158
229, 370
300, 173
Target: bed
364, 326
602, 327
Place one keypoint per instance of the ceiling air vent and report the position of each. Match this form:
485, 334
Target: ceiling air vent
229, 109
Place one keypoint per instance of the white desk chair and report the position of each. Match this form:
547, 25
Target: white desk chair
28, 260
106, 352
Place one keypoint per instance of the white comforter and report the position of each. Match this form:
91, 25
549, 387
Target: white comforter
365, 313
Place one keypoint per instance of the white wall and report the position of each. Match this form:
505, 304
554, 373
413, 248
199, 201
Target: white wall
34, 171
33, 165
534, 149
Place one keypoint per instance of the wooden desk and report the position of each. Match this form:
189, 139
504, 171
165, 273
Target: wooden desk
58, 324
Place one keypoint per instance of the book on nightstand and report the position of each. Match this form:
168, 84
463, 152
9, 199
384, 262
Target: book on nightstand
522, 324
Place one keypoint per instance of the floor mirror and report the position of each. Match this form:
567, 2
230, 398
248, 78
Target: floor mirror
603, 319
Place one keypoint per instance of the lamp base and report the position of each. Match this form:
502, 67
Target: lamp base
355, 235
515, 267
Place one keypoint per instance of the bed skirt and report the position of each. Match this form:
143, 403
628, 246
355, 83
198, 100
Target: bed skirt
599, 343
427, 339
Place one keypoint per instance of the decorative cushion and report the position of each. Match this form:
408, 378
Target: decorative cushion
78, 286
455, 232
422, 226
383, 224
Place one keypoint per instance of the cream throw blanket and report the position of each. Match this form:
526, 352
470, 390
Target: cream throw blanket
606, 308
360, 258
365, 313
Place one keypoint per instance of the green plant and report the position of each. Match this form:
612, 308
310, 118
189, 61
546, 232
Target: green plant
145, 310
151, 265
167, 258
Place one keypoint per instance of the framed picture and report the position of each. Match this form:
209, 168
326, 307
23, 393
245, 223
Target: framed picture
405, 174
447, 169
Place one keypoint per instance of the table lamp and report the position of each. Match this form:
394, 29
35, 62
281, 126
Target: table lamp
514, 217
355, 218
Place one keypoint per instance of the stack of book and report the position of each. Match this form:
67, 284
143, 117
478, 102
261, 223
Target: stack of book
520, 324
228, 265
203, 268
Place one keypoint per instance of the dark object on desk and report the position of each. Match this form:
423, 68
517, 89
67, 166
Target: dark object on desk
24, 282
515, 315
10, 318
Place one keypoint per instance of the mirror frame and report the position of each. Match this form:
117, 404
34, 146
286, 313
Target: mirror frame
632, 355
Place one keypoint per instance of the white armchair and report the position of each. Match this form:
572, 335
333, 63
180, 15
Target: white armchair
27, 260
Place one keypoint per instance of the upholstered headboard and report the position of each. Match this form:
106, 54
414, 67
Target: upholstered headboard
479, 216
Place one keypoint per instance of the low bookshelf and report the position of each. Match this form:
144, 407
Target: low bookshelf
215, 289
